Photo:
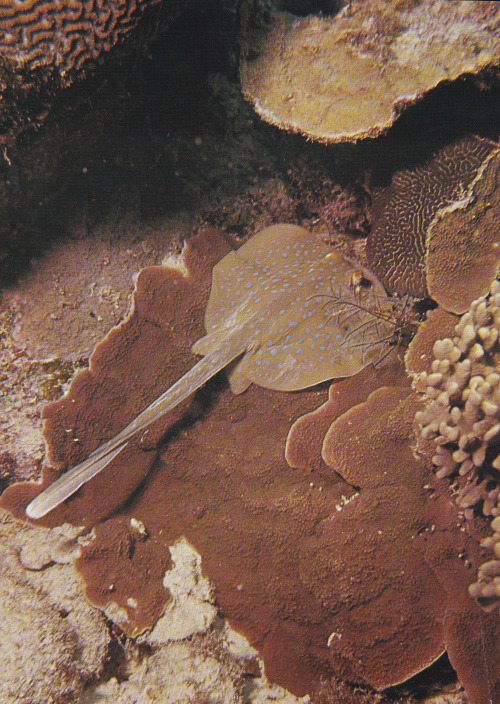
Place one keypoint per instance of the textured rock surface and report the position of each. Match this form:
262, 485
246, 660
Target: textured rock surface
76, 292
51, 640
346, 77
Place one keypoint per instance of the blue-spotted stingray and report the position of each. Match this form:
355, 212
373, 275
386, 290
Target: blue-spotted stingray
287, 312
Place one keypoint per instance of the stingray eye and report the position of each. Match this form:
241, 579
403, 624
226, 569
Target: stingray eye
334, 257
358, 280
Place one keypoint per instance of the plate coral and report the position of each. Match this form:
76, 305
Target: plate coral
346, 77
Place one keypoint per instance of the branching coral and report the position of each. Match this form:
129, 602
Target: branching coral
460, 425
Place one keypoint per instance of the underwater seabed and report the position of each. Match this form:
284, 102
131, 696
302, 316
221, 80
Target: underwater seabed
280, 544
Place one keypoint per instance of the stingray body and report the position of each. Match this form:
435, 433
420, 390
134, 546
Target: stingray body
285, 312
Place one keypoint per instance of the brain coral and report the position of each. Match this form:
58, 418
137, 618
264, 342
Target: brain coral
46, 44
319, 573
403, 213
460, 425
347, 77
64, 34
463, 241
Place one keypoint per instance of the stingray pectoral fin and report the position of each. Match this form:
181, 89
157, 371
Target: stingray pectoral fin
238, 381
70, 482
202, 346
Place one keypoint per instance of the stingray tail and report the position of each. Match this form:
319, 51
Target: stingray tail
73, 479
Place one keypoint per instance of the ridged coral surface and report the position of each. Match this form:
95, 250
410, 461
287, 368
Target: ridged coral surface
64, 33
397, 244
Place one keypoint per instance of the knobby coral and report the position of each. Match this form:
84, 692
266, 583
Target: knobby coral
460, 425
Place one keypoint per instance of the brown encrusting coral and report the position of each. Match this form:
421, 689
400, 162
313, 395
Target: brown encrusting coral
167, 311
285, 312
305, 439
398, 242
404, 506
299, 558
348, 76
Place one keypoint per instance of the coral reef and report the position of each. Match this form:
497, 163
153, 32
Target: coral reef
281, 547
132, 167
348, 76
46, 44
305, 439
427, 527
166, 313
405, 212
285, 312
459, 427
64, 35
55, 645
463, 241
